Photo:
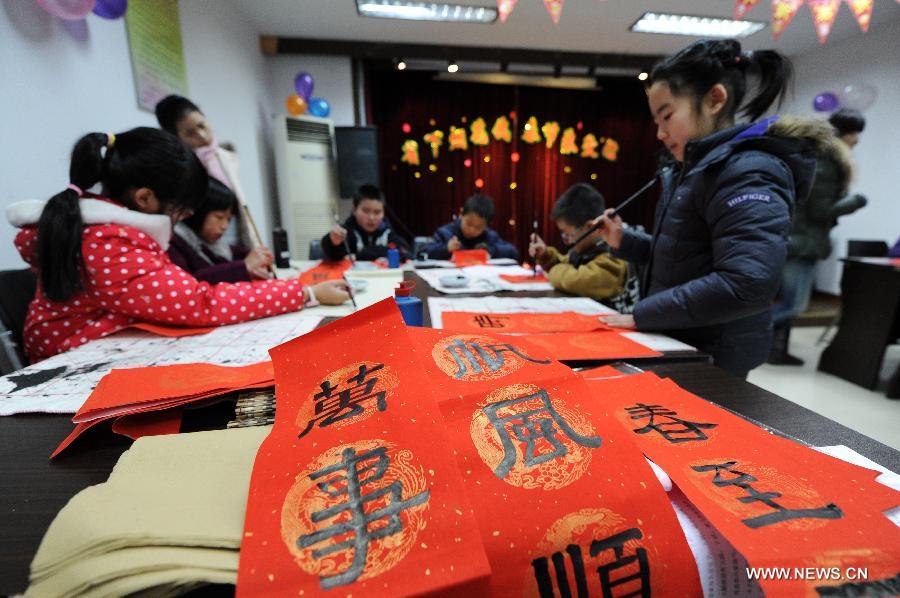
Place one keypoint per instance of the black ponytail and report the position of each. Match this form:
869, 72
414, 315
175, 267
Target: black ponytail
703, 64
60, 226
142, 157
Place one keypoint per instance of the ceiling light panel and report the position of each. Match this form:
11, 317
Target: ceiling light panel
669, 24
426, 11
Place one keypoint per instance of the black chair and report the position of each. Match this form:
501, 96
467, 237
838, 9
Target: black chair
865, 248
17, 288
315, 250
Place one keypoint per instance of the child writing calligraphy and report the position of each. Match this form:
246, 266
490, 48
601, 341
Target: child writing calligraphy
199, 246
713, 263
587, 269
101, 259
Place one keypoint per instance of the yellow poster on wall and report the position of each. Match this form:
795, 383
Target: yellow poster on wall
157, 57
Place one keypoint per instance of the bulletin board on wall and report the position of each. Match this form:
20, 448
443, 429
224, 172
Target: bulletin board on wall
524, 175
157, 55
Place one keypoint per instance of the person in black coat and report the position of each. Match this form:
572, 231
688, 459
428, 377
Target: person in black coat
713, 263
471, 231
366, 231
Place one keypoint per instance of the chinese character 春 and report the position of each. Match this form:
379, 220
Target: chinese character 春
336, 403
355, 472
742, 480
531, 426
674, 430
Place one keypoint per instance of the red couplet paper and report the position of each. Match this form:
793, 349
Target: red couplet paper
470, 257
127, 390
573, 346
140, 397
566, 504
568, 321
355, 490
780, 504
523, 278
172, 331
154, 423
325, 271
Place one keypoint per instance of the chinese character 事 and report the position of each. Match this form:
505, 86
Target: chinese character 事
742, 480
350, 485
530, 426
616, 543
336, 403
675, 430
467, 354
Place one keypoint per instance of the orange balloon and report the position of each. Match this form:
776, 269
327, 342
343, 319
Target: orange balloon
295, 104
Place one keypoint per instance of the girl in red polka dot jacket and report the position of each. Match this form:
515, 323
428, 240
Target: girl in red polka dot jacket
101, 259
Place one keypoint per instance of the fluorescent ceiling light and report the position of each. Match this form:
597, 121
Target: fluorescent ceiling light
653, 22
426, 11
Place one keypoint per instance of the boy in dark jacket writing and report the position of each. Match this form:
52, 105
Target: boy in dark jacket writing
366, 232
471, 231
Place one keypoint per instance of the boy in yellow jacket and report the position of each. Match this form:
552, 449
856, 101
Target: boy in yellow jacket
587, 269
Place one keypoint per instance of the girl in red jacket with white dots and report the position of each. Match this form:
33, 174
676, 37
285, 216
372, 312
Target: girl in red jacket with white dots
101, 259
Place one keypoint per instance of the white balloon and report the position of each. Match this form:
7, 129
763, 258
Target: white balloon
858, 96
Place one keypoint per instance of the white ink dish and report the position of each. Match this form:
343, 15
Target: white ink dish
454, 282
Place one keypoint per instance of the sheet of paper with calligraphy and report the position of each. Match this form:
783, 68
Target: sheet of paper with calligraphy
325, 271
354, 491
62, 383
481, 279
573, 346
780, 504
469, 257
477, 322
438, 306
566, 504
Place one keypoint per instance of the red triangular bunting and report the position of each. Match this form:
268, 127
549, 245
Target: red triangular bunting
554, 7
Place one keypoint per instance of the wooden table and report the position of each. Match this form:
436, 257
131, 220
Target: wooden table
870, 321
34, 489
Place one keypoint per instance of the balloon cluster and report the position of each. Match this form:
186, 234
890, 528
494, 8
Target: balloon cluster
75, 10
302, 101
857, 96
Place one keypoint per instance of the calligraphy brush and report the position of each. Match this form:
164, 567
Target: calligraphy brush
534, 229
615, 212
350, 290
337, 220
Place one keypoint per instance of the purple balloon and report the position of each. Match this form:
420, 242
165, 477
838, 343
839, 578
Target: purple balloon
110, 9
303, 85
69, 10
826, 102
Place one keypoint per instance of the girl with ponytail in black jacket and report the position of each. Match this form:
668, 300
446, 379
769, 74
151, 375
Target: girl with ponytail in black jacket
713, 263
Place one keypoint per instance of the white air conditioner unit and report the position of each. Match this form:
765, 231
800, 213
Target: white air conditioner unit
307, 179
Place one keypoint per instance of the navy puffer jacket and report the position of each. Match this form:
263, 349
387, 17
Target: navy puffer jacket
714, 261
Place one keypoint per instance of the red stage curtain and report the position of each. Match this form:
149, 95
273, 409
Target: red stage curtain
619, 110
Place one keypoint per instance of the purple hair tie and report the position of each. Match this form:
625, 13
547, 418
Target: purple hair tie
76, 189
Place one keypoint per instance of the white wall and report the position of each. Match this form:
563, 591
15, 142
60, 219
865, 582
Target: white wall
333, 78
871, 58
61, 80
